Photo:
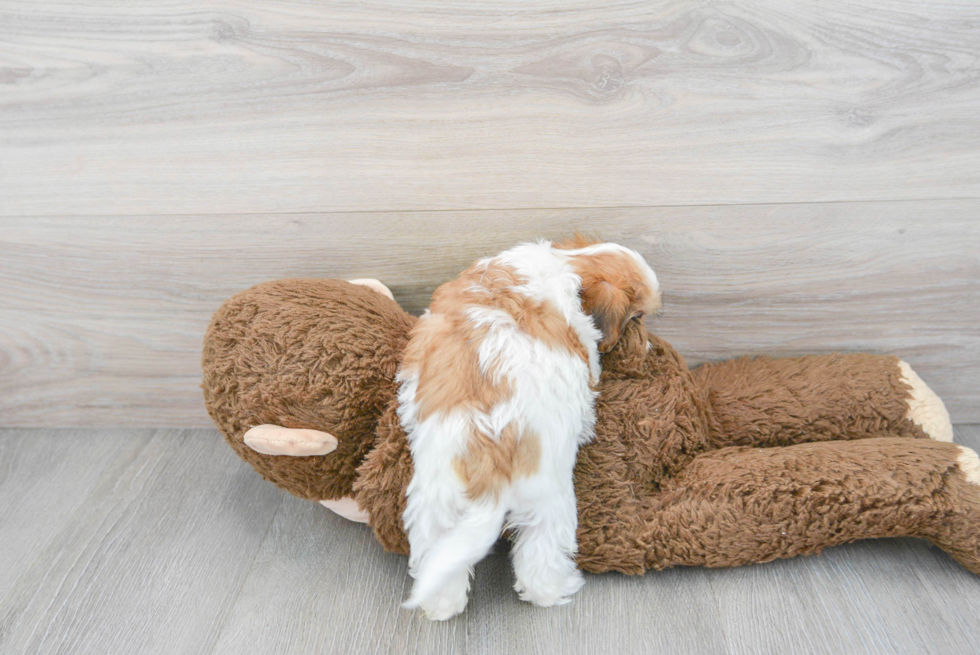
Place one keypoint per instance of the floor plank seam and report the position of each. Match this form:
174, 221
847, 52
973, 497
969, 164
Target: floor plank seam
471, 210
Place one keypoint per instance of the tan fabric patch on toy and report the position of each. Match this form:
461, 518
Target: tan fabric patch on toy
376, 285
276, 440
969, 463
925, 408
348, 508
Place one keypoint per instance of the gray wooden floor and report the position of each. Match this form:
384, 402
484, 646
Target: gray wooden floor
162, 541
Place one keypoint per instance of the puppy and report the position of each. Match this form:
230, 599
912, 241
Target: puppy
496, 395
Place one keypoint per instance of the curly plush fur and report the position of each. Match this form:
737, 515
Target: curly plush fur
318, 354
737, 462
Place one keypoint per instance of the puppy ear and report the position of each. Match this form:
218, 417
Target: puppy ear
609, 308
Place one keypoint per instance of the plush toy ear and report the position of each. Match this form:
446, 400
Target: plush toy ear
609, 308
296, 442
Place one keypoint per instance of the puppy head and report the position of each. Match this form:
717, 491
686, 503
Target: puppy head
617, 286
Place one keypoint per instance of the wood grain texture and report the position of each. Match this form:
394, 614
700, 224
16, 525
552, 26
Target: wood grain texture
244, 106
46, 477
102, 318
169, 544
353, 605
864, 598
149, 559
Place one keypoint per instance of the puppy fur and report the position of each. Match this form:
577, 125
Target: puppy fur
496, 395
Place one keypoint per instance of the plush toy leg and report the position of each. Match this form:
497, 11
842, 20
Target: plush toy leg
371, 283
742, 505
779, 402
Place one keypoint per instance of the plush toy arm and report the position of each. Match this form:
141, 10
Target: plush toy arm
744, 505
779, 402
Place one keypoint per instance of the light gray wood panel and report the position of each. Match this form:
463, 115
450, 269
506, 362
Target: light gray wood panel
180, 547
322, 584
152, 557
671, 612
863, 598
45, 477
102, 318
113, 107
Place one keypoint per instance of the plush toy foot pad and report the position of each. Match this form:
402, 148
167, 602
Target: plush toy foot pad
926, 409
277, 440
969, 463
348, 508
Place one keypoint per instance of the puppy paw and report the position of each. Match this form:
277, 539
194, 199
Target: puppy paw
449, 601
550, 588
442, 606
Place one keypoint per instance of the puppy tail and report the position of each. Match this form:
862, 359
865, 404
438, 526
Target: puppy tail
456, 552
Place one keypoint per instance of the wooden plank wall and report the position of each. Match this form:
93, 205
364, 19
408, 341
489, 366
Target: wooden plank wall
248, 106
103, 316
804, 177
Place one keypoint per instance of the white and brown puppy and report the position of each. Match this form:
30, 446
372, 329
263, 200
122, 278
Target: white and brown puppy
496, 396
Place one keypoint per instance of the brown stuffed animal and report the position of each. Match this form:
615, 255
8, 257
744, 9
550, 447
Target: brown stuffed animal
731, 463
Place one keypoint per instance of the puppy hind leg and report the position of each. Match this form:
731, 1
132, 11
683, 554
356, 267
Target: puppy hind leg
544, 552
442, 577
448, 601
